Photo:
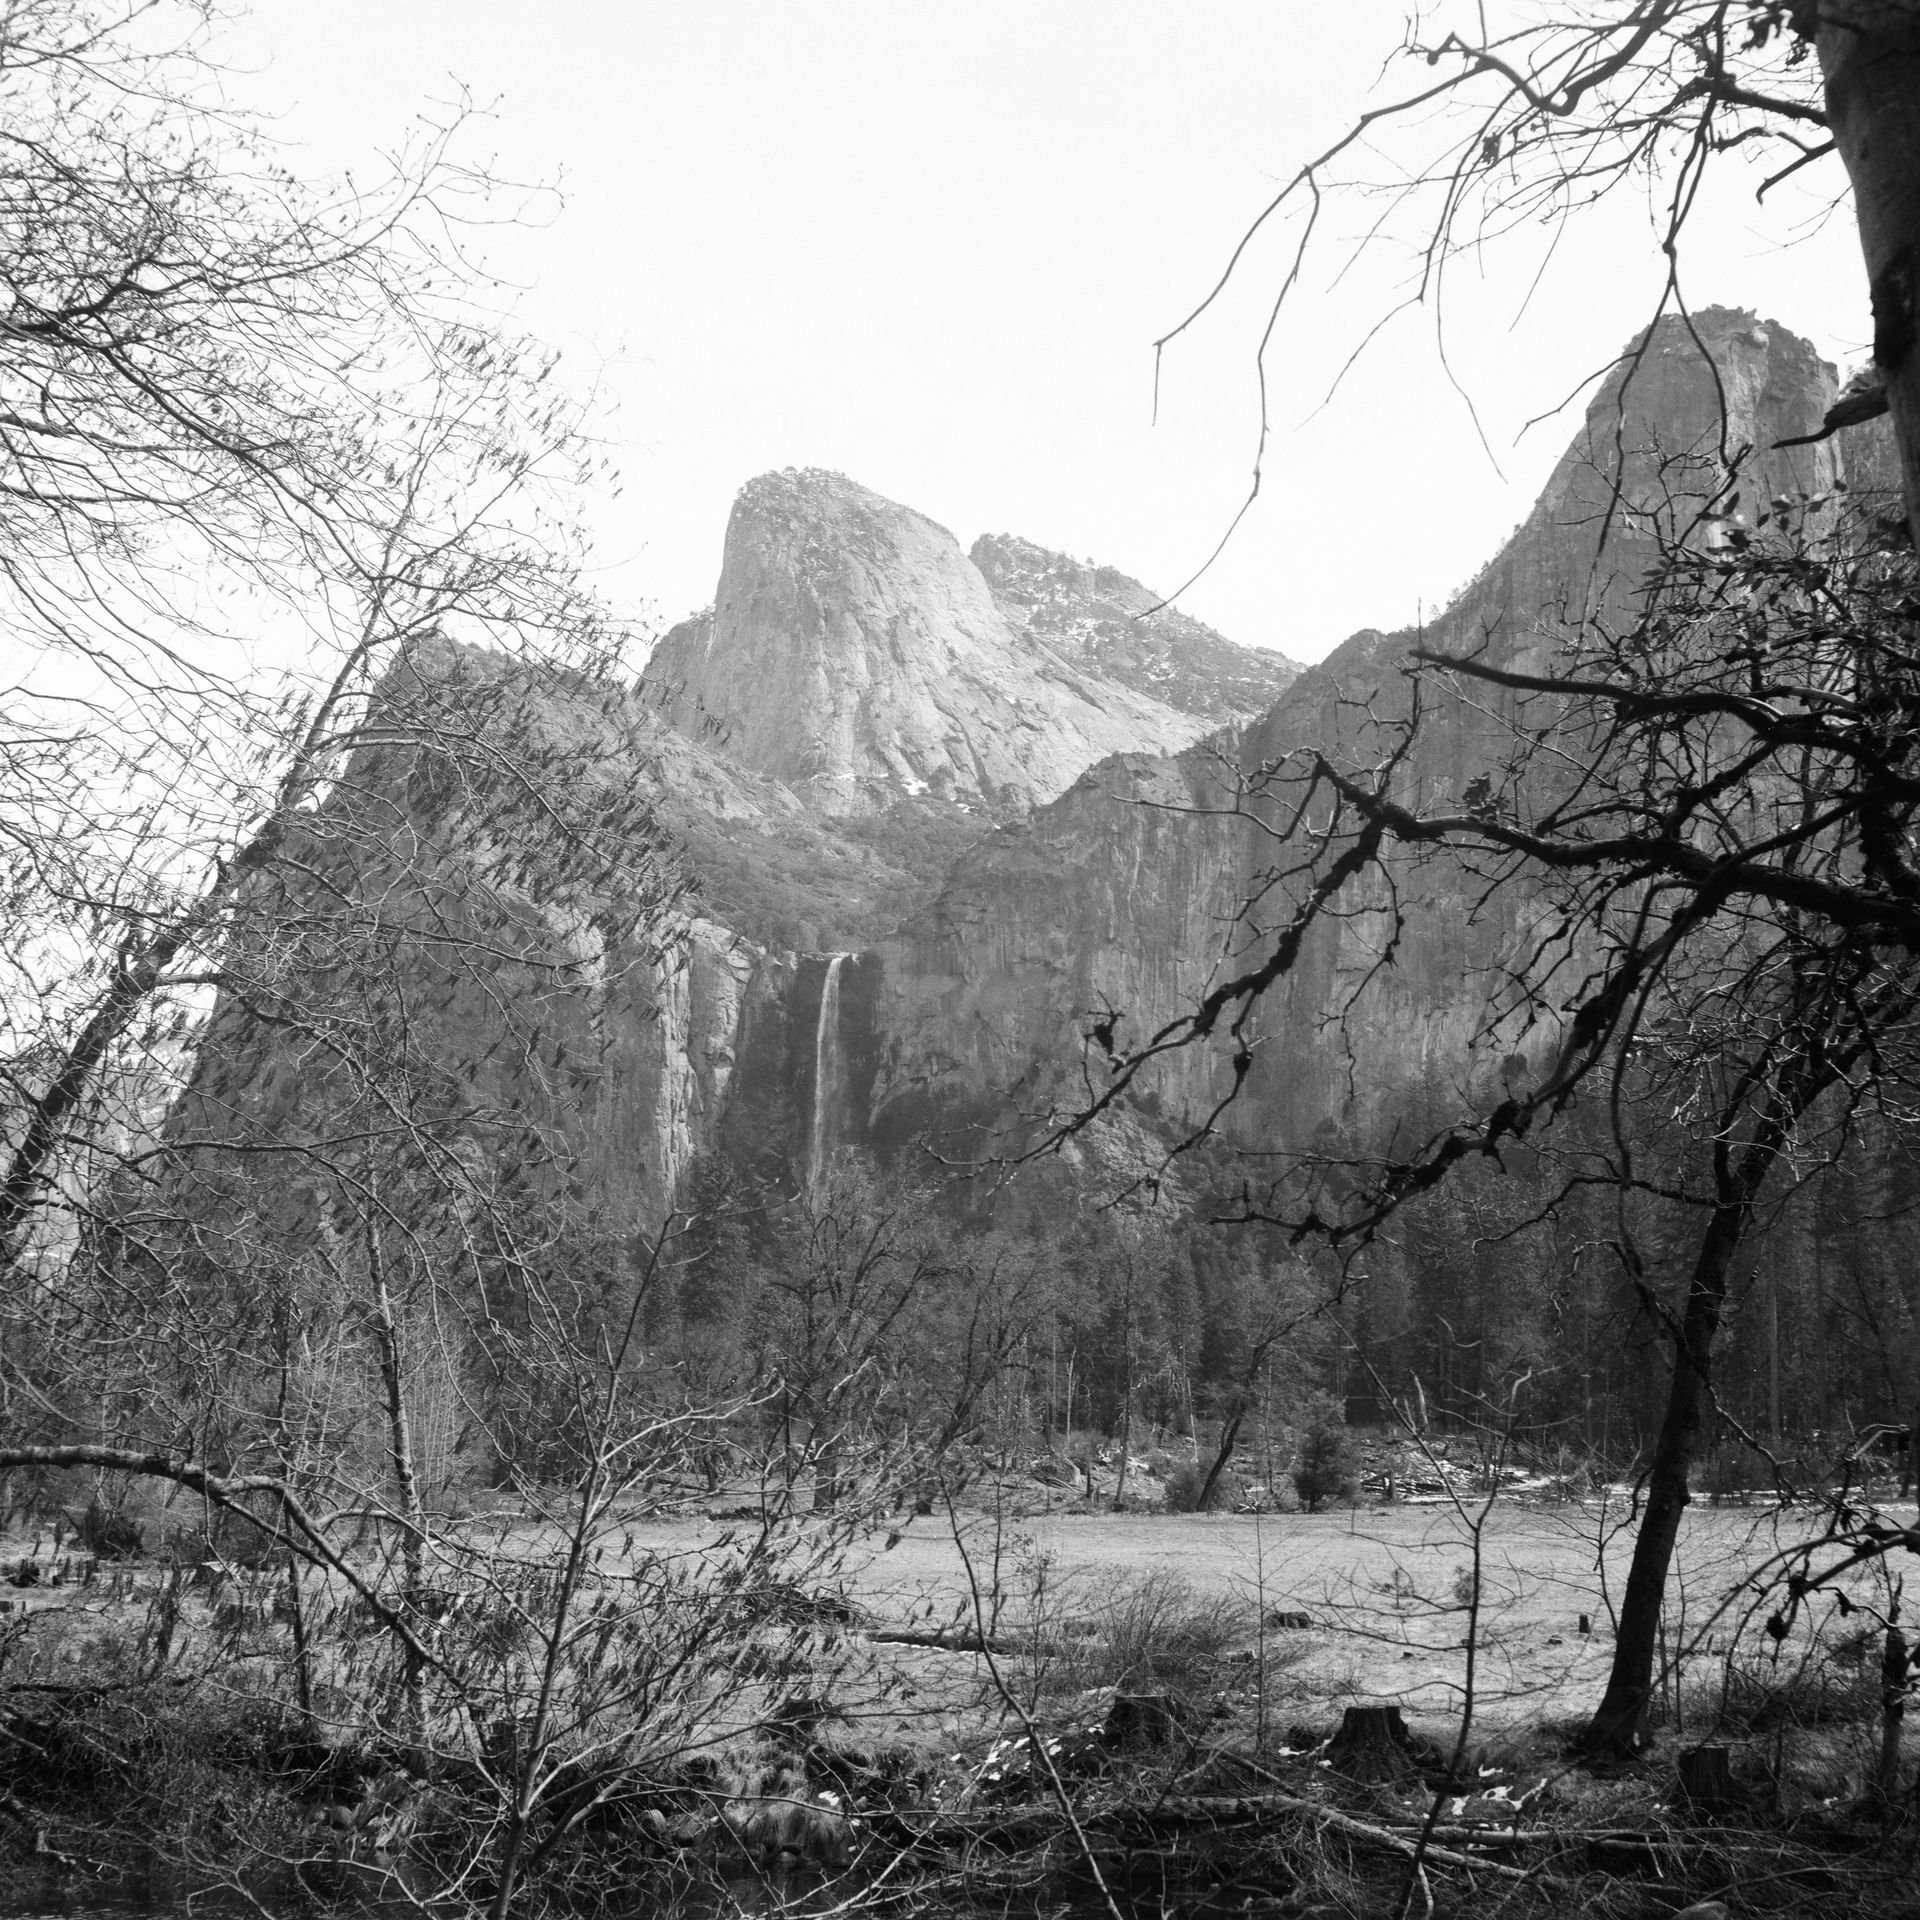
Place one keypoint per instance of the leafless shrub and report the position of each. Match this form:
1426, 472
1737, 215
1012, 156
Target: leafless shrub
1153, 1630
1755, 1695
1186, 1482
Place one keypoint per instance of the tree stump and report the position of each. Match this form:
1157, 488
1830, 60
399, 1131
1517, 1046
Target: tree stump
1373, 1744
1706, 1780
1896, 1666
1142, 1719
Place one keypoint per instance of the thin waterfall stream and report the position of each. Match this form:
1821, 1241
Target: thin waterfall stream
826, 1067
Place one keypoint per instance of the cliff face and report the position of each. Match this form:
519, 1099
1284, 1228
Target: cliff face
1100, 903
482, 940
883, 710
856, 655
1107, 624
827, 754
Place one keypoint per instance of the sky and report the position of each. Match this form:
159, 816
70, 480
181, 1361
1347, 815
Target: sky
931, 246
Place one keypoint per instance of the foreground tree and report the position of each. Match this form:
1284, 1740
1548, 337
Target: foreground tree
289, 567
254, 456
1712, 782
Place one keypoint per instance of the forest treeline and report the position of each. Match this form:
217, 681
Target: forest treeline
1070, 1323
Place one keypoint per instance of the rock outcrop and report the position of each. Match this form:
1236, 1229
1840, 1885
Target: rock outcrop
855, 654
847, 628
504, 924
1105, 623
877, 747
1101, 903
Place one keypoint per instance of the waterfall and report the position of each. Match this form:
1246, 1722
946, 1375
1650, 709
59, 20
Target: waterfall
826, 1068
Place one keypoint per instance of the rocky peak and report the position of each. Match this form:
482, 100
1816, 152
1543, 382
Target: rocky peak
855, 654
1689, 400
855, 657
1110, 624
1101, 904
1648, 460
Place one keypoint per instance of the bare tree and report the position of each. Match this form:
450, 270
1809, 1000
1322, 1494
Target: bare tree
1286, 1303
1710, 803
257, 452
1524, 115
539, 1674
308, 692
886, 1334
1710, 782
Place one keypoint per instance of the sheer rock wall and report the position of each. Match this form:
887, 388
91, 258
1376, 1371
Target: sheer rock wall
1012, 801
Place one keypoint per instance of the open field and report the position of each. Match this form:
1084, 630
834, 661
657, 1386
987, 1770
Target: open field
1385, 1588
848, 1696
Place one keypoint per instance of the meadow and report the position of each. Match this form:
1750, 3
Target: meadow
1385, 1588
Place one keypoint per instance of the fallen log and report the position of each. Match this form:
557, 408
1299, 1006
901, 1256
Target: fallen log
75, 1689
941, 1642
1035, 1821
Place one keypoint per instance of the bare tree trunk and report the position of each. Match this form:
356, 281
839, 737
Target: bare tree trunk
142, 963
1870, 61
296, 1599
826, 1475
413, 1519
1773, 1357
1243, 1404
302, 1653
1819, 1323
134, 979
1229, 1436
1896, 1664
1614, 1730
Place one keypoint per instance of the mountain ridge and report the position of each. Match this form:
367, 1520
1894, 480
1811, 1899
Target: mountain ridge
987, 992
991, 914
856, 654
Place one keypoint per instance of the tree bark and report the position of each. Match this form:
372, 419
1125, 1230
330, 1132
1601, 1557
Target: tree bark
1230, 1433
1705, 1781
1870, 63
1229, 1437
142, 963
413, 1518
1614, 1731
1896, 1665
1126, 1405
1373, 1743
296, 1599
307, 1532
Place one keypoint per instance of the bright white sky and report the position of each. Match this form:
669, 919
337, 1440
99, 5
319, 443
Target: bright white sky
930, 246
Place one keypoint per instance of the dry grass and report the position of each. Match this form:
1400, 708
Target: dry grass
1150, 1632
1160, 1600
1380, 1585
1174, 1604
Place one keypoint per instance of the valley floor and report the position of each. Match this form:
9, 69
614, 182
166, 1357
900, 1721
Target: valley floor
1384, 1587
895, 1713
